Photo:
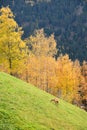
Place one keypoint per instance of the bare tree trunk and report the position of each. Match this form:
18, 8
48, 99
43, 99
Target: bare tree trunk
10, 66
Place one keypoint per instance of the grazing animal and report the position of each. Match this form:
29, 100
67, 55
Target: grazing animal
82, 107
55, 100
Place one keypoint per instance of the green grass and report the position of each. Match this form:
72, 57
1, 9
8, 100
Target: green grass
25, 107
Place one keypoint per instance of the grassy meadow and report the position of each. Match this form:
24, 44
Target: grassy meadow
25, 107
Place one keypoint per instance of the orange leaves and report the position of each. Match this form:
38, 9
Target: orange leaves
40, 71
68, 79
33, 60
62, 76
83, 86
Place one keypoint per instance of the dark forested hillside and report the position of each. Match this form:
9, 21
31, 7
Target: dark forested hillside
67, 19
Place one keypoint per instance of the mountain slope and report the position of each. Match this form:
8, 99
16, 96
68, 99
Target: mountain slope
67, 19
25, 107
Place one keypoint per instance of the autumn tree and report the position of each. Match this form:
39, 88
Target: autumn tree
41, 45
41, 59
68, 78
83, 85
11, 44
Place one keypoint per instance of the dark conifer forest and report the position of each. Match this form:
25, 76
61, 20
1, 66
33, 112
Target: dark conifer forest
66, 19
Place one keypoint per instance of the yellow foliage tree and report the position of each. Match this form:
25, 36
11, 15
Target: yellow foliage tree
11, 44
68, 78
83, 85
42, 45
40, 62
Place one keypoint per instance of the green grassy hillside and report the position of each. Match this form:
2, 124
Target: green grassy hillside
25, 107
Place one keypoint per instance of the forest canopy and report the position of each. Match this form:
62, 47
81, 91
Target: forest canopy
67, 19
33, 59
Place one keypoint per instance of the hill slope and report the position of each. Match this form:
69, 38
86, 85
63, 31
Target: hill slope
25, 107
